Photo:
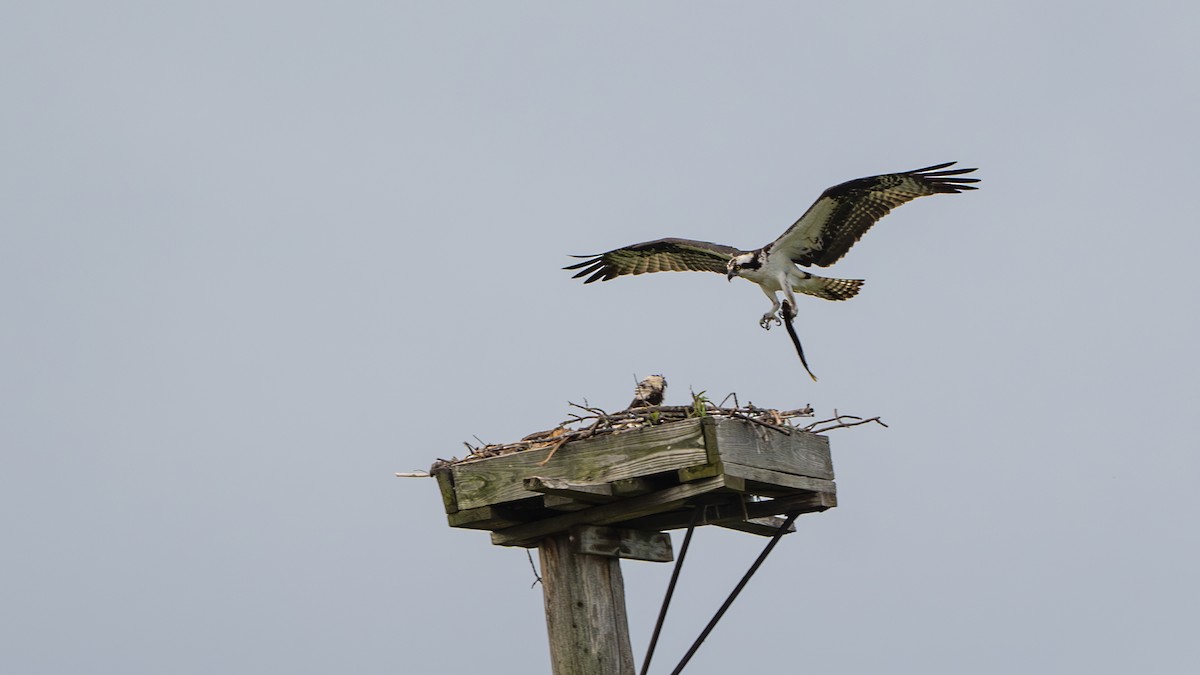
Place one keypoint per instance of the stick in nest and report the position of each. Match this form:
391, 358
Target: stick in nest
838, 421
593, 421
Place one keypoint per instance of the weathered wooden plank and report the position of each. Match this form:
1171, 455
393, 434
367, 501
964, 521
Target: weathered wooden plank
708, 426
763, 527
604, 459
564, 495
556, 503
806, 502
585, 611
753, 445
445, 481
631, 487
734, 509
483, 518
595, 493
626, 509
691, 473
773, 483
622, 542
712, 505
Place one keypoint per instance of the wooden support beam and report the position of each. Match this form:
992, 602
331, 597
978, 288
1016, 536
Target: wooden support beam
631, 487
564, 495
557, 503
763, 527
483, 518
813, 502
593, 493
622, 542
633, 507
585, 611
767, 482
733, 509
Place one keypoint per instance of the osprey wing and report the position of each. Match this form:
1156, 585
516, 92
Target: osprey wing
661, 255
843, 213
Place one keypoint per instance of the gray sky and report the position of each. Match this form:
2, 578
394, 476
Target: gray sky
256, 257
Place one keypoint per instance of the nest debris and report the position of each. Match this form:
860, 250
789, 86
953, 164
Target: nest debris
591, 421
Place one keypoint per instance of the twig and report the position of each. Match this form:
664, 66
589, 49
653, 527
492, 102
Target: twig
553, 450
537, 578
816, 428
754, 420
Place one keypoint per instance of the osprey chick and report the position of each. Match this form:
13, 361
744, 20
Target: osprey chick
649, 392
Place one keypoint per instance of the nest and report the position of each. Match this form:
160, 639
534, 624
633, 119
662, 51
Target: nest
590, 422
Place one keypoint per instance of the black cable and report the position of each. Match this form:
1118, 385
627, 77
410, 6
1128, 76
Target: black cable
738, 589
662, 612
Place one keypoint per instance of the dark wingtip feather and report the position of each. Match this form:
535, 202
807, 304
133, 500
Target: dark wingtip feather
593, 265
950, 181
933, 171
948, 175
589, 260
935, 167
588, 270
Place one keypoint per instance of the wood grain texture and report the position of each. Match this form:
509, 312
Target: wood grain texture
585, 611
594, 493
633, 507
627, 479
483, 518
445, 481
564, 495
773, 483
601, 460
622, 542
749, 444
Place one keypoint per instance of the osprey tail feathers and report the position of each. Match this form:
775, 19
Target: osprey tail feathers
829, 289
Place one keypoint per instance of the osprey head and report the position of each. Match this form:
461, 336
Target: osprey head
744, 261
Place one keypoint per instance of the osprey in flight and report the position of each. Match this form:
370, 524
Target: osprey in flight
838, 219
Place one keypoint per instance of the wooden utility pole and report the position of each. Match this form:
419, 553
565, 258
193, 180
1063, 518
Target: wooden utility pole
589, 503
585, 610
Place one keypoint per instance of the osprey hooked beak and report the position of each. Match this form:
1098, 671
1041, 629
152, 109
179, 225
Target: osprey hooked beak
737, 263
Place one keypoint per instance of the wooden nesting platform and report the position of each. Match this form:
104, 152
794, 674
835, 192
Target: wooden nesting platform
648, 479
641, 481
